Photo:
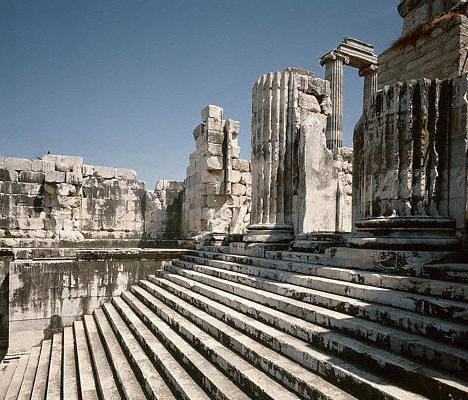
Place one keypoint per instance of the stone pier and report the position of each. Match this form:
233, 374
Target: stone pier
410, 176
370, 83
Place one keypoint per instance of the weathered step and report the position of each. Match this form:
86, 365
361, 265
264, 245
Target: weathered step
204, 313
102, 370
414, 375
42, 372
55, 369
425, 286
253, 381
153, 383
292, 375
87, 383
431, 306
7, 371
416, 347
260, 278
123, 372
201, 371
17, 379
30, 374
456, 272
69, 373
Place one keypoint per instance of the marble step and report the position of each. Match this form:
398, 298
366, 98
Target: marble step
69, 373
363, 312
8, 363
429, 287
29, 374
380, 361
171, 353
102, 370
422, 304
241, 333
244, 373
123, 372
55, 368
86, 379
456, 272
149, 377
17, 378
42, 372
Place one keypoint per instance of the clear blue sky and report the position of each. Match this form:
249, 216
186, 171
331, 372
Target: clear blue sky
122, 82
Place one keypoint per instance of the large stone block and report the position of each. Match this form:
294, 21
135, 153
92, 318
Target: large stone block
74, 178
54, 177
8, 175
104, 172
32, 177
214, 163
125, 173
18, 164
241, 165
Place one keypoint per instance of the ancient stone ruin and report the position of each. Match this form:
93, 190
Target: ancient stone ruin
312, 271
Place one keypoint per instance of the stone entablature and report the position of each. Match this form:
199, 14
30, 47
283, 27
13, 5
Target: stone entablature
410, 158
218, 184
59, 197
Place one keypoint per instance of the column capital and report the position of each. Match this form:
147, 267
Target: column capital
369, 70
333, 56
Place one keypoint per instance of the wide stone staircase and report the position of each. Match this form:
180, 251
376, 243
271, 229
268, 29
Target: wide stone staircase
215, 325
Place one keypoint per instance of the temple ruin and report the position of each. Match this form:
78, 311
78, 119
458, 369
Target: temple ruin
311, 271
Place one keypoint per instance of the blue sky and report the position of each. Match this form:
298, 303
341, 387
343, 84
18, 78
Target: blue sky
123, 82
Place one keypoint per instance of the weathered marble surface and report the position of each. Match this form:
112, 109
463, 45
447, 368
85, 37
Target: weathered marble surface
61, 198
410, 158
218, 184
298, 184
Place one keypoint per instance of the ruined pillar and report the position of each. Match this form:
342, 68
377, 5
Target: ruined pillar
334, 62
286, 106
370, 74
410, 175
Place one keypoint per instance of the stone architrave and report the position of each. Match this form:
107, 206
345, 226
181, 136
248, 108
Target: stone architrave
356, 54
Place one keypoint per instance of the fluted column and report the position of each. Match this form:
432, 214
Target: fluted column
334, 62
370, 75
270, 218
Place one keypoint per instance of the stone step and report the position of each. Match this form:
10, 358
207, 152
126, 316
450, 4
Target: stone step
264, 279
122, 369
241, 333
102, 370
42, 372
292, 375
55, 369
428, 287
160, 339
17, 379
398, 342
29, 374
69, 373
423, 379
253, 381
8, 365
448, 271
87, 382
426, 305
149, 377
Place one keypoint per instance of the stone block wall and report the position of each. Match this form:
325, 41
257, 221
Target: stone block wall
433, 43
218, 184
59, 197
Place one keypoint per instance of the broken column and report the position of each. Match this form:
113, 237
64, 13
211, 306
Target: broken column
334, 62
289, 116
410, 176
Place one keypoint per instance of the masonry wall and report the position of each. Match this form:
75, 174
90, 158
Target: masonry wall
437, 52
61, 198
218, 184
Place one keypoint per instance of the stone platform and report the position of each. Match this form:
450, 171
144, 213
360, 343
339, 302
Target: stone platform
217, 325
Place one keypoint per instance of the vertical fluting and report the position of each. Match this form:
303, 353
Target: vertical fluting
267, 100
370, 75
334, 74
275, 111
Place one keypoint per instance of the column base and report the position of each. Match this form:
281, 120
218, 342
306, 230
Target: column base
269, 233
411, 233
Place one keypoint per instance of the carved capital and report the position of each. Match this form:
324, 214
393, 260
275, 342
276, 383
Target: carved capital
333, 56
369, 70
